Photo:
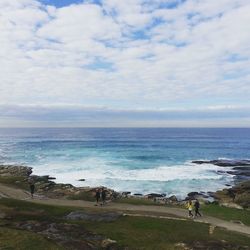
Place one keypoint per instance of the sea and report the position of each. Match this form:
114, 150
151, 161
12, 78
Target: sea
136, 160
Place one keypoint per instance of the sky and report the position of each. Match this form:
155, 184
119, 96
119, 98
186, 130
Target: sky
133, 63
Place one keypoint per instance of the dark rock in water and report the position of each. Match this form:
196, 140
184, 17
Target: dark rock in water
137, 194
125, 194
81, 180
246, 173
242, 168
51, 178
225, 163
107, 217
200, 162
192, 194
154, 195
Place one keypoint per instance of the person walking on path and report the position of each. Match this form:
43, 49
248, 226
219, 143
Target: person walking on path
103, 194
31, 182
197, 207
97, 196
190, 209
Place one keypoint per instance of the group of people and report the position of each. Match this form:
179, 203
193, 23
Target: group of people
100, 195
195, 206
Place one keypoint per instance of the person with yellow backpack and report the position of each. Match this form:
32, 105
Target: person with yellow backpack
190, 208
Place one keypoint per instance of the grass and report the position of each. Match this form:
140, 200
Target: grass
134, 232
15, 181
150, 233
23, 210
12, 239
226, 213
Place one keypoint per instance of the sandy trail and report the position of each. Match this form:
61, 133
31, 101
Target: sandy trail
132, 210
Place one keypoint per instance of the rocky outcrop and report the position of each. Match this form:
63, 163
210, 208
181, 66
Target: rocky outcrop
106, 217
69, 236
155, 195
13, 170
225, 163
239, 194
240, 169
46, 187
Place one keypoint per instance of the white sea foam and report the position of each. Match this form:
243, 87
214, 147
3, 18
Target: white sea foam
176, 179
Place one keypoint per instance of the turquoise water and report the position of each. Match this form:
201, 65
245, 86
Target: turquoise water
128, 159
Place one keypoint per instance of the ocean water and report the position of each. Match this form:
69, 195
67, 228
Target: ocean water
140, 160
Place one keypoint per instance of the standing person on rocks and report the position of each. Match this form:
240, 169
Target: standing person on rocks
190, 208
197, 207
31, 182
103, 194
97, 196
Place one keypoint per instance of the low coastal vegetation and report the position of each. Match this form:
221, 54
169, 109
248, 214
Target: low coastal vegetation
29, 225
26, 224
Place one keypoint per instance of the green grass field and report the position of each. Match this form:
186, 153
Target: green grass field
12, 239
134, 232
226, 213
150, 233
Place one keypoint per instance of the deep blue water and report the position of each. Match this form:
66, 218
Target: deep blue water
128, 159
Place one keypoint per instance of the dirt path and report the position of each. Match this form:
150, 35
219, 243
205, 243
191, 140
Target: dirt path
132, 210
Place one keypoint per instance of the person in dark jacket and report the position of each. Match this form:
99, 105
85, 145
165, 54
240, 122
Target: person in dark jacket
103, 195
31, 182
97, 196
197, 207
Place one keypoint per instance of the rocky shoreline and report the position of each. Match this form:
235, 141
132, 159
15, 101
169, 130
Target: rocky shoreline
237, 196
240, 169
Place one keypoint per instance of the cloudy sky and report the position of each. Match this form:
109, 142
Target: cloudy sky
125, 63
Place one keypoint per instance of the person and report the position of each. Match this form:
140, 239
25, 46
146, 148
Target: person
190, 208
197, 207
31, 182
103, 194
97, 196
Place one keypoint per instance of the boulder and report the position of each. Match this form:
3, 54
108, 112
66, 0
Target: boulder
173, 198
80, 215
107, 243
155, 195
225, 163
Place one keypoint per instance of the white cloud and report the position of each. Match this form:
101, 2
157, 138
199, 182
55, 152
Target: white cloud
79, 115
125, 54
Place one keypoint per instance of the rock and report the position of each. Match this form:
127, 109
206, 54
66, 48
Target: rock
239, 194
173, 198
81, 180
240, 170
14, 170
125, 194
154, 195
192, 194
80, 215
107, 243
137, 194
225, 163
68, 236
51, 178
